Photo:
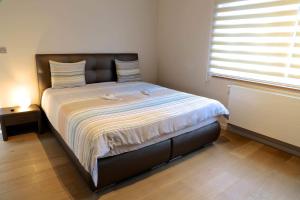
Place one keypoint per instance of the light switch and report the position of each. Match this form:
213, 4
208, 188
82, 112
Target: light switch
3, 50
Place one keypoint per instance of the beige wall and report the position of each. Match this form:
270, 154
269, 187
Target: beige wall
183, 42
28, 27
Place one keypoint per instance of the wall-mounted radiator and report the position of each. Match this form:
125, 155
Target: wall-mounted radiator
267, 113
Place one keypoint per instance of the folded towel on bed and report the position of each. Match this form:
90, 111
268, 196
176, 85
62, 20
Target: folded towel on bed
110, 97
146, 92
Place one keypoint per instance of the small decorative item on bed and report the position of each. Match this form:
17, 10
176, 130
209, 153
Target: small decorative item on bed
111, 125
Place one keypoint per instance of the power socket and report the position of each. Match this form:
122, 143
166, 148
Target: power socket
3, 49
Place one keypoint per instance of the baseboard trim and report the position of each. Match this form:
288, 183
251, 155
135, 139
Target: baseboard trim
265, 140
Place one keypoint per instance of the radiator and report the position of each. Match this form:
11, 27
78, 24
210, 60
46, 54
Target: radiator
267, 113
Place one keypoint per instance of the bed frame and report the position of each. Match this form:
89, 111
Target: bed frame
111, 170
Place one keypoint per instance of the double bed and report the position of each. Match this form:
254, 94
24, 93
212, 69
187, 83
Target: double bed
113, 131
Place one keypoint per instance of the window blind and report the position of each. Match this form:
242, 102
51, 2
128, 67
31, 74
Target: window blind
257, 40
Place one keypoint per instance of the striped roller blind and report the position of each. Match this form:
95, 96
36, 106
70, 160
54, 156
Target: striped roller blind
257, 40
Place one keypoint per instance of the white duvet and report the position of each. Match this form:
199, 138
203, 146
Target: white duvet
107, 119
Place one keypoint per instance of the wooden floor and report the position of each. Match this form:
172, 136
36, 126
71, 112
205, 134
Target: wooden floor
33, 167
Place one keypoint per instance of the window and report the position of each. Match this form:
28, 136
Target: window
257, 40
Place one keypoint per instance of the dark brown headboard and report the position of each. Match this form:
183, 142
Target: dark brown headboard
99, 67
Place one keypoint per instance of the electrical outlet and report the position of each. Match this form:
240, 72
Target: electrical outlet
3, 49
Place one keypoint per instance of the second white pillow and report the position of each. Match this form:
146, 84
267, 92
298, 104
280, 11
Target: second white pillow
66, 75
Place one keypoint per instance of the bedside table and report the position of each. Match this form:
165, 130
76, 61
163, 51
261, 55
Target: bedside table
16, 116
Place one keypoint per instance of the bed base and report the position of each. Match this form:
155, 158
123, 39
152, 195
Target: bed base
117, 168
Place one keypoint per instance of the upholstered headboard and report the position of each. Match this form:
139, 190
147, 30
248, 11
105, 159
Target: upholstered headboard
99, 67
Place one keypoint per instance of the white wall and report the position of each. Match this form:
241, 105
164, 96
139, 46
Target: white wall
28, 27
183, 41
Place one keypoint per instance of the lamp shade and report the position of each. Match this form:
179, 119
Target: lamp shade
22, 98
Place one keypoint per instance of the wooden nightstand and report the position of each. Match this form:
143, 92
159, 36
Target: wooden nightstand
16, 116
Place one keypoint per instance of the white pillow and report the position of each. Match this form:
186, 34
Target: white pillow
128, 71
66, 75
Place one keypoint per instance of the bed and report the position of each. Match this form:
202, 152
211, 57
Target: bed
107, 138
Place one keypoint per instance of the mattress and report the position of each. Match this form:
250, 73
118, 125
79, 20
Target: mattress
107, 119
